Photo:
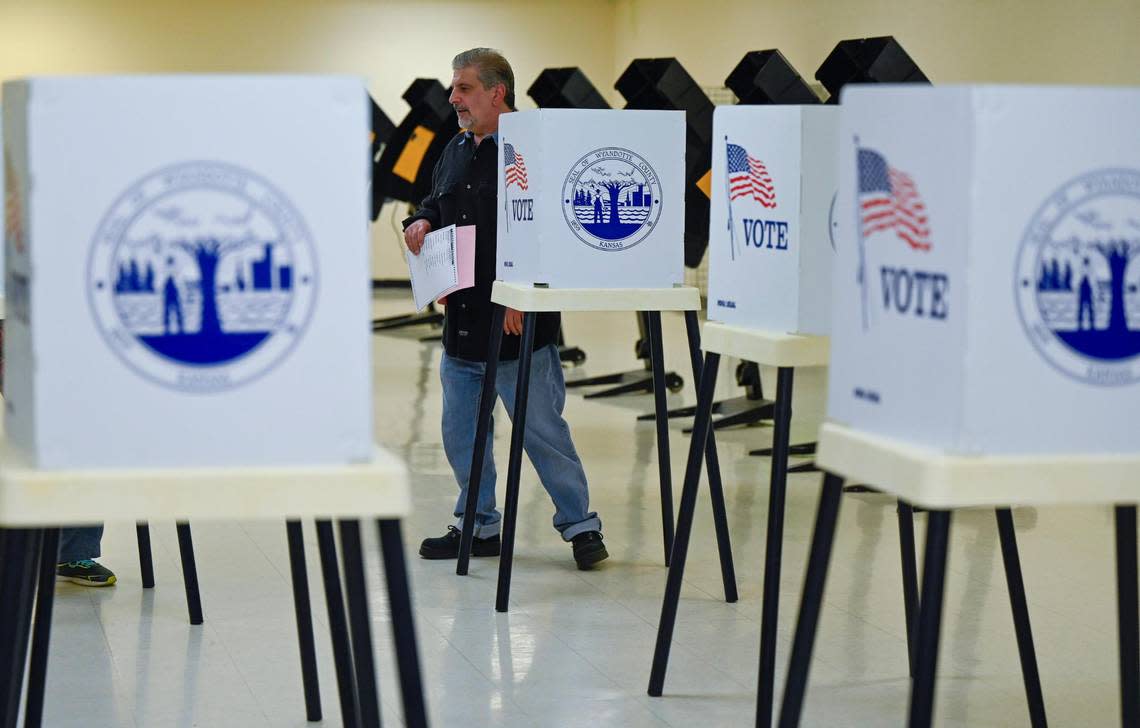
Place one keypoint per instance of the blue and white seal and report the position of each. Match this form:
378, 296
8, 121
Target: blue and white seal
611, 199
202, 276
1076, 284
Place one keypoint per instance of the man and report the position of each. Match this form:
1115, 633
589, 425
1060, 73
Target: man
171, 302
464, 193
1085, 300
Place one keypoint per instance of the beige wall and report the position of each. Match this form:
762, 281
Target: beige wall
392, 41
1026, 41
389, 42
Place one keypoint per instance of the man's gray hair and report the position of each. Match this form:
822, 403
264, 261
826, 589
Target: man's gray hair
493, 70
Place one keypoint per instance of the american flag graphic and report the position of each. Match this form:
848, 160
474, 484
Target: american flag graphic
748, 177
514, 168
889, 200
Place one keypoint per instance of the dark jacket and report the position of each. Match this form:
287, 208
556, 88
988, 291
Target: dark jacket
464, 192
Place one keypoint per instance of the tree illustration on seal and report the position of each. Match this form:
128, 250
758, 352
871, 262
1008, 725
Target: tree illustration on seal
614, 187
213, 342
206, 253
622, 217
1118, 254
1076, 312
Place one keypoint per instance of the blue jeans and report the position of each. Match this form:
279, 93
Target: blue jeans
76, 544
547, 440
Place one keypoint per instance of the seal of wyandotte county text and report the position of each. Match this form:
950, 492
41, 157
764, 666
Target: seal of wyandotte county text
1077, 287
611, 199
202, 276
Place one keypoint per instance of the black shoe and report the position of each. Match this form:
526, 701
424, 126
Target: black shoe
589, 549
85, 572
447, 545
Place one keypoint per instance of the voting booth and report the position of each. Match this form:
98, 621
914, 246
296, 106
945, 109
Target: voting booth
187, 268
985, 293
772, 181
591, 198
771, 231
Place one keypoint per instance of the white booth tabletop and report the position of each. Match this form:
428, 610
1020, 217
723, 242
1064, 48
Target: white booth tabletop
932, 479
31, 497
765, 347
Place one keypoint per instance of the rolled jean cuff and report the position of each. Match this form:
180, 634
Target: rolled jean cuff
482, 530
590, 524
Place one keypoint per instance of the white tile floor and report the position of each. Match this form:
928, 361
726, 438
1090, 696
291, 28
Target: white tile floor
575, 648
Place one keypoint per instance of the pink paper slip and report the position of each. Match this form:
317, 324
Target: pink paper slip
464, 257
445, 264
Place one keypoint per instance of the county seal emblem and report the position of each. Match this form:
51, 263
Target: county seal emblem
202, 276
611, 199
1076, 282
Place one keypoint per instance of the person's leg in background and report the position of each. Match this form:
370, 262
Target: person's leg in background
78, 549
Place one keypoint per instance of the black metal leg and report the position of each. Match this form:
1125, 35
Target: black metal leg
802, 449
809, 467
909, 579
1020, 608
773, 551
403, 624
639, 380
712, 464
660, 411
359, 624
189, 572
41, 630
479, 451
146, 561
304, 612
929, 618
1128, 607
338, 625
701, 428
17, 592
430, 317
812, 600
514, 465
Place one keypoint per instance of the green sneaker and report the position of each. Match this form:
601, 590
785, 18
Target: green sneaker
85, 572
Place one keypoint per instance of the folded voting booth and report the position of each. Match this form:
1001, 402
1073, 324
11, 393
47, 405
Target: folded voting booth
985, 292
664, 84
403, 170
187, 265
766, 77
771, 238
881, 59
591, 198
565, 88
381, 131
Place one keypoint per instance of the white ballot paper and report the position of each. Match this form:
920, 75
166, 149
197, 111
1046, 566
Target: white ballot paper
446, 263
